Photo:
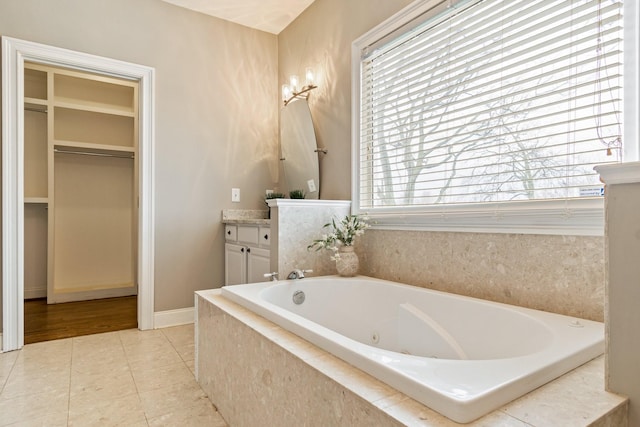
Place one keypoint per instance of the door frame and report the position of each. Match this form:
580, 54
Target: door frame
14, 53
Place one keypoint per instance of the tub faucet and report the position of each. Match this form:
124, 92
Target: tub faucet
298, 274
272, 276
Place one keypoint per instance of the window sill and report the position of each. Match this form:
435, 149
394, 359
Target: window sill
583, 217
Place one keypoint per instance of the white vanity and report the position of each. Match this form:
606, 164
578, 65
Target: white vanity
247, 246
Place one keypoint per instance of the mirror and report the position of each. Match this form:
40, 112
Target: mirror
299, 150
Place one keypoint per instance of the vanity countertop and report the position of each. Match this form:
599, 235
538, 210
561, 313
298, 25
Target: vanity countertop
245, 216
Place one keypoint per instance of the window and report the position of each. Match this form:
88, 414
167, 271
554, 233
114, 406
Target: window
489, 114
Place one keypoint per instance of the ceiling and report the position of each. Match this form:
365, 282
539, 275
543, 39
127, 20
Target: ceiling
267, 15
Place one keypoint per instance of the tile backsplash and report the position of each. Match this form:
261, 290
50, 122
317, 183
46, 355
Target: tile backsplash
561, 274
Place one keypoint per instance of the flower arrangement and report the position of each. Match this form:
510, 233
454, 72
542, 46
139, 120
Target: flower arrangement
343, 233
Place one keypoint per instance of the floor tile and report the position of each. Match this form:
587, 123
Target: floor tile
7, 361
29, 379
191, 364
187, 352
132, 336
165, 376
126, 378
49, 420
87, 390
166, 400
117, 411
202, 414
180, 335
155, 360
33, 406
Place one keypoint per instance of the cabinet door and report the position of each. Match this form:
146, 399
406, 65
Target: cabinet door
235, 264
258, 264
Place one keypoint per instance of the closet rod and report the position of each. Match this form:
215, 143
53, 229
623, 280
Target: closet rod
35, 110
86, 153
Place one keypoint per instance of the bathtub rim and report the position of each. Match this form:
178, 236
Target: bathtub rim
591, 402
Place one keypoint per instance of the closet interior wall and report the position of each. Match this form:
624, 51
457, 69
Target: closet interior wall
80, 184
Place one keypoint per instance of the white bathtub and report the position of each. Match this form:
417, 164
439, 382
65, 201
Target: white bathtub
460, 356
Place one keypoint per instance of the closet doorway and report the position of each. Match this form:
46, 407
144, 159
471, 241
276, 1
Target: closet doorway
98, 123
80, 202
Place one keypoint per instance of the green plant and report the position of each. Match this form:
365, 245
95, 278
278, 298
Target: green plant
273, 195
297, 194
343, 233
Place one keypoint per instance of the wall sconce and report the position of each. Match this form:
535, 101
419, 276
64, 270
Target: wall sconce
293, 90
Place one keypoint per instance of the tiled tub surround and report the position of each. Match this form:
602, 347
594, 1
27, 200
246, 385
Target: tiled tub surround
560, 274
297, 223
460, 356
277, 378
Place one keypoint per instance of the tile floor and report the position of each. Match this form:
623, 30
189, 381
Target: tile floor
128, 378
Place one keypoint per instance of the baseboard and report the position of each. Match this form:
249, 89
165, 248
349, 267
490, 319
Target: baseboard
35, 293
85, 295
181, 316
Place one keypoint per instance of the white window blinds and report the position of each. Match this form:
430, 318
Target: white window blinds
492, 101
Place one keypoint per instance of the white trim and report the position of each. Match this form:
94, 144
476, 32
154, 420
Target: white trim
168, 318
196, 332
1, 342
631, 72
307, 203
62, 297
622, 173
14, 53
560, 220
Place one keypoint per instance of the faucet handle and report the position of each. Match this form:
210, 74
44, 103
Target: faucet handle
298, 274
272, 276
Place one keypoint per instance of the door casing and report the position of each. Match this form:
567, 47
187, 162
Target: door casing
14, 54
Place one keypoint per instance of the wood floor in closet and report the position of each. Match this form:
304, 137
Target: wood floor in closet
45, 322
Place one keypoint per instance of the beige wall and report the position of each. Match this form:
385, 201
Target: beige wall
216, 117
321, 38
556, 273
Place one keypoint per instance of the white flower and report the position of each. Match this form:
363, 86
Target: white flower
343, 233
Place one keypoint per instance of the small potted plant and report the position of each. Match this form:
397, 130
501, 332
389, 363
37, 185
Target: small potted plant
297, 194
340, 242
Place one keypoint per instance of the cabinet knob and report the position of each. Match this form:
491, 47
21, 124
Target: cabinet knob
266, 237
242, 250
229, 232
248, 250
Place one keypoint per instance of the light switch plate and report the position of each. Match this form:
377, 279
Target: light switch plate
235, 195
312, 185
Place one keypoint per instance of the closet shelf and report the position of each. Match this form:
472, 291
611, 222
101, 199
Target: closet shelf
34, 101
34, 200
90, 147
95, 107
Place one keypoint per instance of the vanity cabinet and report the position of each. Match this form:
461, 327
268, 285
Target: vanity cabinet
247, 254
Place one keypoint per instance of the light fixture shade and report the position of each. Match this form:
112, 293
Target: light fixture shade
286, 92
309, 76
294, 81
